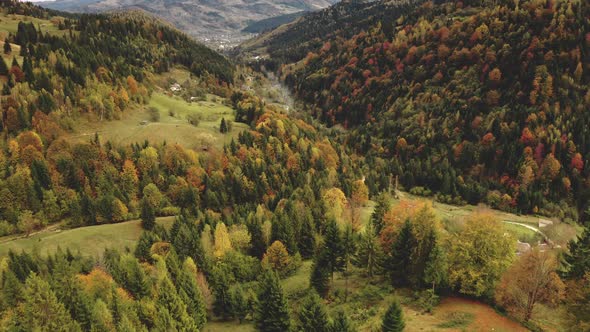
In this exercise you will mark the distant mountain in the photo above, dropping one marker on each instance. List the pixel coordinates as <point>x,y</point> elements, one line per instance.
<point>216,22</point>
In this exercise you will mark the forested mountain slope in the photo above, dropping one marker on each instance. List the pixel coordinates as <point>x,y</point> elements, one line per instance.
<point>483,100</point>
<point>216,22</point>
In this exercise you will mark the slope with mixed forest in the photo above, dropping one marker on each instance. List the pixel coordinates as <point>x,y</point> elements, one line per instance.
<point>480,101</point>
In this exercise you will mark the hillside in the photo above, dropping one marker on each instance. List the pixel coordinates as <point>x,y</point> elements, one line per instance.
<point>475,102</point>
<point>218,23</point>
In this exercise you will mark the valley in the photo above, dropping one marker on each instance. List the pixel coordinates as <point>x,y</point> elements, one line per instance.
<point>370,166</point>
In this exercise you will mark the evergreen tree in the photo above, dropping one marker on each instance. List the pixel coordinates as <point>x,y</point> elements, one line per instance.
<point>148,215</point>
<point>400,260</point>
<point>3,67</point>
<point>272,310</point>
<point>383,204</point>
<point>313,315</point>
<point>320,275</point>
<point>435,272</point>
<point>41,311</point>
<point>169,300</point>
<point>341,323</point>
<point>307,240</point>
<point>223,126</point>
<point>192,297</point>
<point>393,321</point>
<point>577,260</point>
<point>239,303</point>
<point>7,47</point>
<point>221,286</point>
<point>369,251</point>
<point>333,248</point>
<point>11,289</point>
<point>144,245</point>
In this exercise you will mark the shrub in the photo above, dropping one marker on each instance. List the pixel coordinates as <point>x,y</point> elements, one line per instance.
<point>154,114</point>
<point>194,119</point>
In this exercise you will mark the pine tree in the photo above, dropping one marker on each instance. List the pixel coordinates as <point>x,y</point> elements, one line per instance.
<point>7,47</point>
<point>320,276</point>
<point>313,315</point>
<point>41,309</point>
<point>223,126</point>
<point>239,303</point>
<point>341,323</point>
<point>272,310</point>
<point>221,285</point>
<point>369,251</point>
<point>148,215</point>
<point>333,248</point>
<point>169,300</point>
<point>435,272</point>
<point>192,297</point>
<point>577,261</point>
<point>3,67</point>
<point>393,321</point>
<point>400,261</point>
<point>144,245</point>
<point>383,205</point>
<point>11,289</point>
<point>307,240</point>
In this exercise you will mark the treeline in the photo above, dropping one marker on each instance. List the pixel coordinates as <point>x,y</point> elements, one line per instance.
<point>476,104</point>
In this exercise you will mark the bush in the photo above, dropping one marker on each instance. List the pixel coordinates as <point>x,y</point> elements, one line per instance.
<point>171,113</point>
<point>427,300</point>
<point>6,228</point>
<point>154,114</point>
<point>421,191</point>
<point>194,119</point>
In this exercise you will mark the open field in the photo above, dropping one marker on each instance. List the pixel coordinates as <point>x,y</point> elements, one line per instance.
<point>90,241</point>
<point>172,129</point>
<point>9,24</point>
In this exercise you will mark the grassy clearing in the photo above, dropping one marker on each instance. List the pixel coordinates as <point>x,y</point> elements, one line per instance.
<point>9,24</point>
<point>173,126</point>
<point>90,241</point>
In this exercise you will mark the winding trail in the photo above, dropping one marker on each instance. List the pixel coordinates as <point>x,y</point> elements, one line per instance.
<point>534,229</point>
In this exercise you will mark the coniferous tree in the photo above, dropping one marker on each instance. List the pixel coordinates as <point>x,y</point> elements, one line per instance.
<point>239,303</point>
<point>383,205</point>
<point>272,311</point>
<point>577,260</point>
<point>400,260</point>
<point>307,239</point>
<point>192,297</point>
<point>333,248</point>
<point>313,315</point>
<point>41,311</point>
<point>148,215</point>
<point>7,47</point>
<point>11,289</point>
<point>393,320</point>
<point>435,273</point>
<point>221,287</point>
<point>369,251</point>
<point>341,323</point>
<point>223,126</point>
<point>169,301</point>
<point>320,275</point>
<point>3,67</point>
<point>144,245</point>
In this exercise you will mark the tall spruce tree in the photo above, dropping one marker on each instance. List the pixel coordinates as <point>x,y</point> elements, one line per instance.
<point>272,310</point>
<point>400,260</point>
<point>341,323</point>
<point>577,260</point>
<point>148,215</point>
<point>383,205</point>
<point>320,275</point>
<point>333,248</point>
<point>393,321</point>
<point>3,67</point>
<point>313,315</point>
